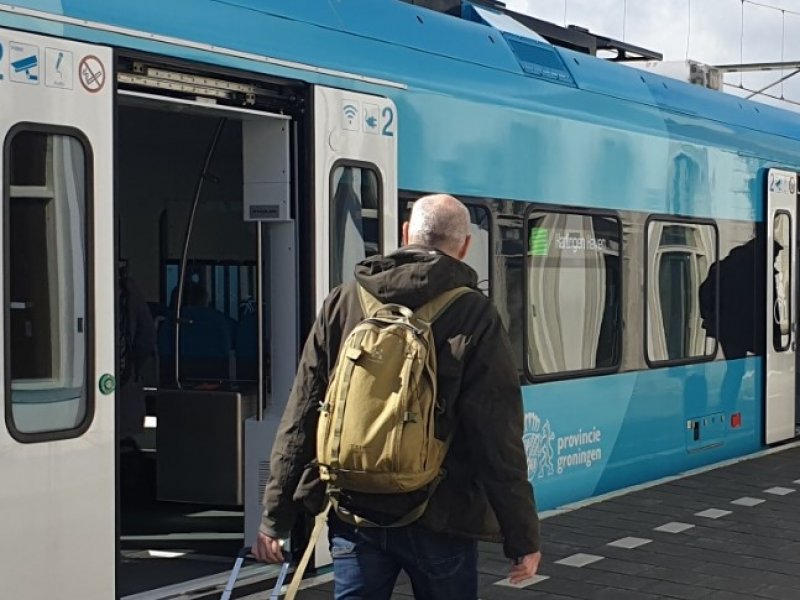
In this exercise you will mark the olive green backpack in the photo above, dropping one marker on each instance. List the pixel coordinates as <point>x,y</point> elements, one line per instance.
<point>376,425</point>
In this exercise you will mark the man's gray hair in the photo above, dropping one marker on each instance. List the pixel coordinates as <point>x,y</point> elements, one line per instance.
<point>439,221</point>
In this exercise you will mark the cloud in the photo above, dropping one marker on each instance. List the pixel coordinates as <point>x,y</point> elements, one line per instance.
<point>710,31</point>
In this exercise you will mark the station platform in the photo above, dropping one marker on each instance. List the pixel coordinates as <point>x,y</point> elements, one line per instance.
<point>728,532</point>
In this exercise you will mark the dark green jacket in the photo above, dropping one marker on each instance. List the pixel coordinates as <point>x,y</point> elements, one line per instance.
<point>485,493</point>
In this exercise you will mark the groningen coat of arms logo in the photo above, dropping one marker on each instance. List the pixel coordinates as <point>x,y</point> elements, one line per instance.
<point>538,439</point>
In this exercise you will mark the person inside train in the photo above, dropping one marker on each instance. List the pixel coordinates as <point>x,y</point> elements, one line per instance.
<point>136,340</point>
<point>207,337</point>
<point>137,348</point>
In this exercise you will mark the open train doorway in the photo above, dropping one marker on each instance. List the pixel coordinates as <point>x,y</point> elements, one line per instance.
<point>207,259</point>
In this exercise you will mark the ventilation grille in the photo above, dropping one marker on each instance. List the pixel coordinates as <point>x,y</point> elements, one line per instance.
<point>263,476</point>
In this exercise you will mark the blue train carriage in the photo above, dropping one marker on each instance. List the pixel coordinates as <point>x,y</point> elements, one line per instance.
<point>236,159</point>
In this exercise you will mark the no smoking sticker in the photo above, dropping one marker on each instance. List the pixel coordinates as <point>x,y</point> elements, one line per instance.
<point>92,74</point>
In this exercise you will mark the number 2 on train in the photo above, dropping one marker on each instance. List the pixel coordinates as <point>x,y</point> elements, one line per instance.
<point>388,121</point>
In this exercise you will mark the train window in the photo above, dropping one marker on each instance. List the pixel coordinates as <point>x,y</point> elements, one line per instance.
<point>782,274</point>
<point>480,249</point>
<point>355,218</point>
<point>508,295</point>
<point>229,286</point>
<point>679,257</point>
<point>46,273</point>
<point>479,255</point>
<point>574,293</point>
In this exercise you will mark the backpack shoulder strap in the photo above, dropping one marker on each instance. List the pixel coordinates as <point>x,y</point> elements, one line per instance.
<point>319,522</point>
<point>370,305</point>
<point>433,309</point>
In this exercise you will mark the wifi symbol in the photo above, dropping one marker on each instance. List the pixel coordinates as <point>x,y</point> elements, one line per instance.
<point>350,112</point>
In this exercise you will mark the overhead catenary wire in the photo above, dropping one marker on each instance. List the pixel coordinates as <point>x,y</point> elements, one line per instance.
<point>773,84</point>
<point>783,46</point>
<point>766,95</point>
<point>624,17</point>
<point>688,27</point>
<point>741,47</point>
<point>756,92</point>
<point>771,6</point>
<point>787,69</point>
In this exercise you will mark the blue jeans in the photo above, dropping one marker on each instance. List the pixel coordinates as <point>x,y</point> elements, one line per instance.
<point>367,561</point>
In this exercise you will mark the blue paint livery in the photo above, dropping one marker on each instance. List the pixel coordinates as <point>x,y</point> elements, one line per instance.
<point>631,429</point>
<point>519,130</point>
<point>473,123</point>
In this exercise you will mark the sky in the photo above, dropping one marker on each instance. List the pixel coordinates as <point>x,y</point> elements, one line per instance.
<point>709,31</point>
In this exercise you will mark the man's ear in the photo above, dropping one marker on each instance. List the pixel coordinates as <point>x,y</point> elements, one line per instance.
<point>465,248</point>
<point>405,234</point>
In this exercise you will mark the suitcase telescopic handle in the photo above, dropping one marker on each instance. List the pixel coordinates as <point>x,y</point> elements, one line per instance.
<point>243,553</point>
<point>240,558</point>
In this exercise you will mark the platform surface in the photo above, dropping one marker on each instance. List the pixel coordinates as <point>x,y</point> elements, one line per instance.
<point>728,533</point>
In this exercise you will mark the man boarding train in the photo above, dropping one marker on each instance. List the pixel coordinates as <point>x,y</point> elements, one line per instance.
<point>481,491</point>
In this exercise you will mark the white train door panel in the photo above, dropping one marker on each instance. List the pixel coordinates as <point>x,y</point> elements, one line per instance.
<point>57,503</point>
<point>355,141</point>
<point>356,182</point>
<point>781,317</point>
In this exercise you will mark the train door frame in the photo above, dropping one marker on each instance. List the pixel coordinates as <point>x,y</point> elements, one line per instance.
<point>352,129</point>
<point>780,350</point>
<point>62,89</point>
<point>356,131</point>
<point>272,187</point>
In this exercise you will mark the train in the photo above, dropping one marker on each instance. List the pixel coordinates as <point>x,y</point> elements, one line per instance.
<point>225,163</point>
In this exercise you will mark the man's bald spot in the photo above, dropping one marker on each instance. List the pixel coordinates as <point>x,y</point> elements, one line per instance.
<point>439,221</point>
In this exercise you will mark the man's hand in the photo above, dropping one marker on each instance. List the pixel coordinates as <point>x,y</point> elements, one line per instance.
<point>267,549</point>
<point>525,568</point>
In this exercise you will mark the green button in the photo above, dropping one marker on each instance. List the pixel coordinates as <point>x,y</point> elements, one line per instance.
<point>107,384</point>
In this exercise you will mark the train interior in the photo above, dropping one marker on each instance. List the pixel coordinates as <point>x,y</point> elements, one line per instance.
<point>181,476</point>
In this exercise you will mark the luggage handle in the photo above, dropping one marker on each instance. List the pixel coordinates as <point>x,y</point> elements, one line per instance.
<point>226,593</point>
<point>247,552</point>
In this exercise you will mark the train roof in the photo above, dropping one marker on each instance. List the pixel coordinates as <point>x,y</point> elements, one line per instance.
<point>396,41</point>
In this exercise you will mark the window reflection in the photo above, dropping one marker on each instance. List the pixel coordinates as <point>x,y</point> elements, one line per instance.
<point>480,251</point>
<point>510,274</point>
<point>355,220</point>
<point>679,258</point>
<point>46,271</point>
<point>480,248</point>
<point>574,292</point>
<point>782,280</point>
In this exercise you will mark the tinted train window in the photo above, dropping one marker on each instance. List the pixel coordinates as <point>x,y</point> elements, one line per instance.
<point>45,224</point>
<point>355,219</point>
<point>510,274</point>
<point>480,251</point>
<point>479,256</point>
<point>782,280</point>
<point>230,286</point>
<point>679,257</point>
<point>573,310</point>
